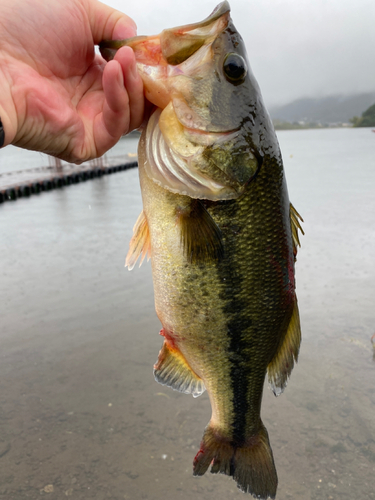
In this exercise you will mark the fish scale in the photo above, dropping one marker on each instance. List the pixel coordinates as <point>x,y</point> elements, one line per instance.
<point>222,236</point>
<point>221,306</point>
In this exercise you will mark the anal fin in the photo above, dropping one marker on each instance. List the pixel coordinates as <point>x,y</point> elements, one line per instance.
<point>173,370</point>
<point>140,244</point>
<point>282,363</point>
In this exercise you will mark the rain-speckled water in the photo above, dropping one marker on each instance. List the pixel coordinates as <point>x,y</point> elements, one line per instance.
<point>80,414</point>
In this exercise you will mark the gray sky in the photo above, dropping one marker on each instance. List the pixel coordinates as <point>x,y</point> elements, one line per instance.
<point>296,48</point>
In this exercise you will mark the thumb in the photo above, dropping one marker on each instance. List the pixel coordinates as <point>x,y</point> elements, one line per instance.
<point>108,24</point>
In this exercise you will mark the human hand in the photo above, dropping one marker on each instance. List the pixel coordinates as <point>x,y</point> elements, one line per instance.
<point>56,95</point>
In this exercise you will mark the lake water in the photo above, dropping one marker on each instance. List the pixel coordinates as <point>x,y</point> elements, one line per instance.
<point>80,414</point>
<point>13,159</point>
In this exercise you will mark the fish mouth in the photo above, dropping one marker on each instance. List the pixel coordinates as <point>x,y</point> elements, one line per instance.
<point>188,140</point>
<point>195,123</point>
<point>166,63</point>
<point>204,138</point>
<point>178,44</point>
<point>173,45</point>
<point>187,152</point>
<point>161,57</point>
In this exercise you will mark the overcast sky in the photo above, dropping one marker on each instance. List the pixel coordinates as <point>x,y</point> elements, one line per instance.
<point>296,48</point>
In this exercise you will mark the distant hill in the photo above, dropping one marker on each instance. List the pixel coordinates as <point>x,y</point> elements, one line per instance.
<point>325,110</point>
<point>367,119</point>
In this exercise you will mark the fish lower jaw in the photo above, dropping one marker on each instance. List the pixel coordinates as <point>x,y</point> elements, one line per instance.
<point>222,193</point>
<point>202,137</point>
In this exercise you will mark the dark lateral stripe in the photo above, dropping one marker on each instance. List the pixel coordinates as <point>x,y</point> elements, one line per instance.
<point>239,375</point>
<point>240,369</point>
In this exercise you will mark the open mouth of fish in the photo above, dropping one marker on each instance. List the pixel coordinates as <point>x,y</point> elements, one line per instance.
<point>182,138</point>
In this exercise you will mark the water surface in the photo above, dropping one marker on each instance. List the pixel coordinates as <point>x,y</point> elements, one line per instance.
<point>14,159</point>
<point>80,413</point>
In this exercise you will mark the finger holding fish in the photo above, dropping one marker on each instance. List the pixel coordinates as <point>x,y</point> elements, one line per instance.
<point>123,107</point>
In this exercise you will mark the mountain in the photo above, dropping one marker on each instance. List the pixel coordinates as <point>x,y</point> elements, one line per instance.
<point>325,110</point>
<point>367,119</point>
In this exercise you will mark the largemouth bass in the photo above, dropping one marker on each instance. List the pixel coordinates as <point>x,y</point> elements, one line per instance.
<point>222,237</point>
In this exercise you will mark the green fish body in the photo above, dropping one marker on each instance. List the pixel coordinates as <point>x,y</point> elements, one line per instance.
<point>222,236</point>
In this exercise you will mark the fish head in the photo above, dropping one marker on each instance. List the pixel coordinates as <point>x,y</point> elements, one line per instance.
<point>205,137</point>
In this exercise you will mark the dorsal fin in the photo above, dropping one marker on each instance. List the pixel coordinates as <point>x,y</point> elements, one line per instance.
<point>140,244</point>
<point>295,225</point>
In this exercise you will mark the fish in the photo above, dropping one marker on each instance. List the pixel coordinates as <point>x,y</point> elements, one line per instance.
<point>222,236</point>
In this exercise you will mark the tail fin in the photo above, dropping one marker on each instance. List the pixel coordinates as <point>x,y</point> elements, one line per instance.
<point>250,464</point>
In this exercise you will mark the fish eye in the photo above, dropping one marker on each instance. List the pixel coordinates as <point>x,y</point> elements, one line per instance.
<point>234,68</point>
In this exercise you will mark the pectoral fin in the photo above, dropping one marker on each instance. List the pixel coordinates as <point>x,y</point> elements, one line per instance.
<point>200,236</point>
<point>282,364</point>
<point>140,244</point>
<point>173,370</point>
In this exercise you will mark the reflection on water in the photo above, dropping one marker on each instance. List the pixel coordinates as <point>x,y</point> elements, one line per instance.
<point>80,413</point>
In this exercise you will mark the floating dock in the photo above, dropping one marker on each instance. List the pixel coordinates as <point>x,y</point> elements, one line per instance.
<point>24,183</point>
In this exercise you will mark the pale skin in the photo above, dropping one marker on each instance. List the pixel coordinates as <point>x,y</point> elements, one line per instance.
<point>56,94</point>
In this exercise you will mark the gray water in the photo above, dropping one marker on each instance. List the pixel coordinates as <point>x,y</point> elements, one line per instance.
<point>14,159</point>
<point>80,414</point>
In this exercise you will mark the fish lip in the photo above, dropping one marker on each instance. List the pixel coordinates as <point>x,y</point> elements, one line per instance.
<point>197,128</point>
<point>203,131</point>
<point>196,121</point>
<point>206,137</point>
